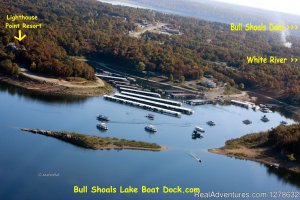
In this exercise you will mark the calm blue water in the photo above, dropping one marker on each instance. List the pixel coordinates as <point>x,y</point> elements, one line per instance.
<point>23,155</point>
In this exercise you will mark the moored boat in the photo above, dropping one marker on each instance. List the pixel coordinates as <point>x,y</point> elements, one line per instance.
<point>150,116</point>
<point>211,123</point>
<point>102,126</point>
<point>283,123</point>
<point>151,128</point>
<point>199,129</point>
<point>247,122</point>
<point>103,118</point>
<point>265,119</point>
<point>196,135</point>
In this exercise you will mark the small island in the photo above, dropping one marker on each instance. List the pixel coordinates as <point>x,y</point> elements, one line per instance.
<point>278,147</point>
<point>97,143</point>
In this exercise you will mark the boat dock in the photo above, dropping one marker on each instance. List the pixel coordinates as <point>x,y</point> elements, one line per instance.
<point>157,104</point>
<point>199,102</point>
<point>119,82</point>
<point>166,101</point>
<point>141,92</point>
<point>127,87</point>
<point>112,77</point>
<point>141,105</point>
<point>244,104</point>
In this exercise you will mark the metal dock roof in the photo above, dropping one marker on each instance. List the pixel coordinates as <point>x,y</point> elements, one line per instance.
<point>174,103</point>
<point>141,92</point>
<point>154,103</point>
<point>144,106</point>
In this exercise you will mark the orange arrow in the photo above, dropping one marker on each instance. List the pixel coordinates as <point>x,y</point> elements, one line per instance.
<point>20,37</point>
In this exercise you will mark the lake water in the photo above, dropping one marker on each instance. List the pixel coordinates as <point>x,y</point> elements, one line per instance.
<point>24,155</point>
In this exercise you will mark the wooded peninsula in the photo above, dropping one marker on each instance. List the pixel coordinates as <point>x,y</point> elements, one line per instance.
<point>279,146</point>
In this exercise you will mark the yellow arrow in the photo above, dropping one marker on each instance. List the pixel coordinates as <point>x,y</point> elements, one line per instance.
<point>20,37</point>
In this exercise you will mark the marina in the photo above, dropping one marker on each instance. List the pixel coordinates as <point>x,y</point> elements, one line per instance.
<point>156,104</point>
<point>160,100</point>
<point>129,123</point>
<point>143,106</point>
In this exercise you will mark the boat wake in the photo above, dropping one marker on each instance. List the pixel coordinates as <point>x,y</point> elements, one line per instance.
<point>194,157</point>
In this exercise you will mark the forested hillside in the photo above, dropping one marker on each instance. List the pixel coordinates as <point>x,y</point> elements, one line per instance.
<point>283,139</point>
<point>96,30</point>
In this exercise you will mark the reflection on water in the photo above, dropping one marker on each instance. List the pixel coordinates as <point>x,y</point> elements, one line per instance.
<point>286,110</point>
<point>39,96</point>
<point>285,175</point>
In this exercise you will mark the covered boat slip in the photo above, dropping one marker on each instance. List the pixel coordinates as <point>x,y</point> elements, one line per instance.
<point>157,104</point>
<point>142,92</point>
<point>141,105</point>
<point>166,101</point>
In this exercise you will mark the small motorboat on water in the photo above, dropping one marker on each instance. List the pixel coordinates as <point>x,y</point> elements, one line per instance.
<point>103,118</point>
<point>283,123</point>
<point>275,165</point>
<point>264,119</point>
<point>265,110</point>
<point>150,116</point>
<point>195,157</point>
<point>255,108</point>
<point>199,129</point>
<point>196,135</point>
<point>247,122</point>
<point>151,128</point>
<point>211,123</point>
<point>102,126</point>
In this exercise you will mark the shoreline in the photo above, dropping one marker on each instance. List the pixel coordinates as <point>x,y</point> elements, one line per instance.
<point>30,84</point>
<point>95,142</point>
<point>256,155</point>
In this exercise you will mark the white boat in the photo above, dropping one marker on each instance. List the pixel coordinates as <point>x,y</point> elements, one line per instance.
<point>265,119</point>
<point>199,129</point>
<point>151,128</point>
<point>102,126</point>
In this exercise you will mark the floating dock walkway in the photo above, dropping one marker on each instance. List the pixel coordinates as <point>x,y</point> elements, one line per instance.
<point>140,92</point>
<point>244,104</point>
<point>160,100</point>
<point>156,104</point>
<point>116,78</point>
<point>144,106</point>
<point>199,102</point>
<point>127,87</point>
